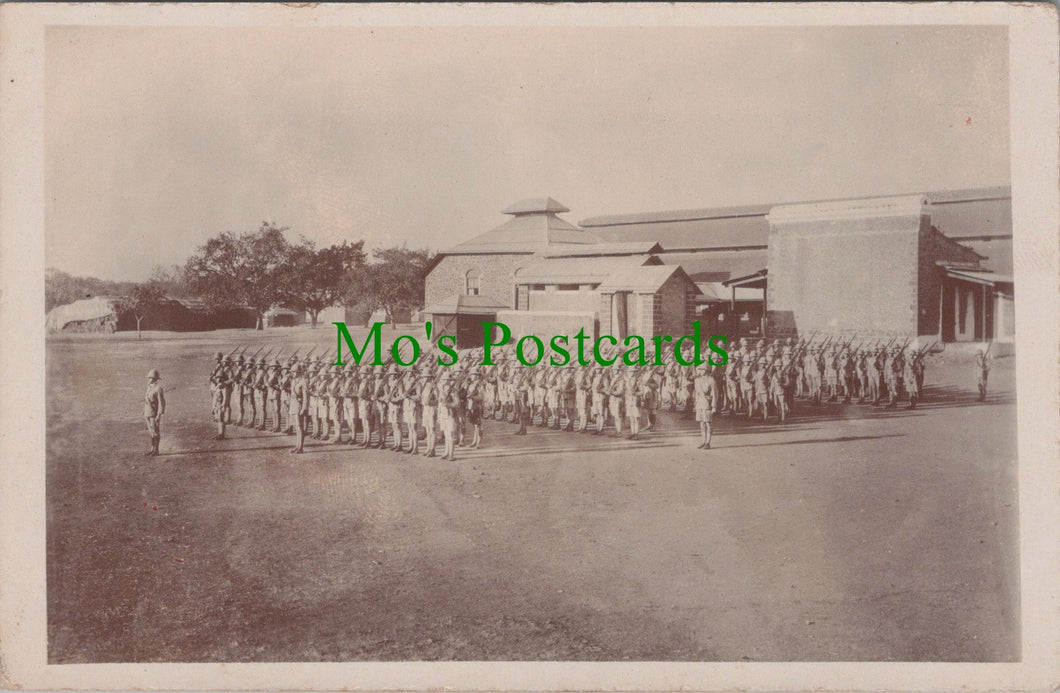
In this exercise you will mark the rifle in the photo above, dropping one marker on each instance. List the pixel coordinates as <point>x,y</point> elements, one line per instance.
<point>258,351</point>
<point>294,356</point>
<point>266,354</point>
<point>309,354</point>
<point>244,350</point>
<point>232,352</point>
<point>988,347</point>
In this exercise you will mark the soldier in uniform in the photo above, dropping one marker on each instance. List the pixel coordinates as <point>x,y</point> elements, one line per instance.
<point>616,394</point>
<point>633,401</point>
<point>476,395</point>
<point>429,410</point>
<point>522,390</point>
<point>300,400</point>
<point>154,408</point>
<point>705,403</point>
<point>982,372</point>
<point>448,402</point>
<point>599,392</point>
<point>221,384</point>
<point>582,396</point>
<point>287,386</point>
<point>410,408</point>
<point>275,379</point>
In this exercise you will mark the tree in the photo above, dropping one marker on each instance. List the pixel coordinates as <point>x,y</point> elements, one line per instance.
<point>170,280</point>
<point>61,288</point>
<point>230,271</point>
<point>140,301</point>
<point>317,279</point>
<point>395,281</point>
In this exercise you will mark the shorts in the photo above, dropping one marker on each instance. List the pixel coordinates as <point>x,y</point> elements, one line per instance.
<point>154,426</point>
<point>704,415</point>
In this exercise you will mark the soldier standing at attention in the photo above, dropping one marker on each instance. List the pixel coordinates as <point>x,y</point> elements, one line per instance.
<point>154,408</point>
<point>705,402</point>
<point>476,391</point>
<point>300,400</point>
<point>221,383</point>
<point>982,370</point>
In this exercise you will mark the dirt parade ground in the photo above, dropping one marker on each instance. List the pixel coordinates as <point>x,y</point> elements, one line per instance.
<point>849,533</point>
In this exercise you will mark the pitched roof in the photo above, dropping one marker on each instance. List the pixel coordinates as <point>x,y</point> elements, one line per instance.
<point>646,279</point>
<point>718,266</point>
<point>602,249</point>
<point>465,304</point>
<point>578,270</point>
<point>526,233</point>
<point>535,205</point>
<point>980,213</point>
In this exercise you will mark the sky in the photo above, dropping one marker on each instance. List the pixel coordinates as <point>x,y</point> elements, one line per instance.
<point>157,138</point>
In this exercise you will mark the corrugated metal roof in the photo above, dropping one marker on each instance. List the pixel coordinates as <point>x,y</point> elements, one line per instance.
<point>647,279</point>
<point>525,234</point>
<point>957,213</point>
<point>717,266</point>
<point>997,253</point>
<point>979,277</point>
<point>578,270</point>
<point>533,205</point>
<point>631,248</point>
<point>717,292</point>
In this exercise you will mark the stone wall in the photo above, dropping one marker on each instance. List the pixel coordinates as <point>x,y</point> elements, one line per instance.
<point>496,276</point>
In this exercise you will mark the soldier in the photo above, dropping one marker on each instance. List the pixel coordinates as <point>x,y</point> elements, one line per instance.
<point>429,410</point>
<point>246,394</point>
<point>410,409</point>
<point>982,371</point>
<point>335,402</point>
<point>394,398</point>
<point>650,395</point>
<point>154,408</point>
<point>582,395</point>
<point>261,389</point>
<point>761,387</point>
<point>300,402</point>
<point>616,394</point>
<point>275,380</point>
<point>240,379</point>
<point>350,404</point>
<point>779,381</point>
<point>522,390</point>
<point>599,392</point>
<point>292,402</point>
<point>705,403</point>
<point>476,392</point>
<point>893,374</point>
<point>221,383</point>
<point>448,402</point>
<point>633,401</point>
<point>910,382</point>
<point>866,379</point>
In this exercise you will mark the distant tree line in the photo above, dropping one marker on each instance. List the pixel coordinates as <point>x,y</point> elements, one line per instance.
<point>262,269</point>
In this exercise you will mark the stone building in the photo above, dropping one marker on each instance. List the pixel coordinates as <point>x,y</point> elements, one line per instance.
<point>935,265</point>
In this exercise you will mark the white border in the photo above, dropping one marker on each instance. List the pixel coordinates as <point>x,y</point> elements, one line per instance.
<point>1036,220</point>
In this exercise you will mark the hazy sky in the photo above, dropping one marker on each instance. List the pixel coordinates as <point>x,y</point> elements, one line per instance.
<point>158,138</point>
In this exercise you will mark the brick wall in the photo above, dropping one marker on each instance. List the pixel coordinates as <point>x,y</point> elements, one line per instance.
<point>674,307</point>
<point>934,247</point>
<point>845,274</point>
<point>496,276</point>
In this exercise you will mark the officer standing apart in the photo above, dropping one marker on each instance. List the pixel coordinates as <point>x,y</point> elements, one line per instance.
<point>706,403</point>
<point>982,370</point>
<point>154,408</point>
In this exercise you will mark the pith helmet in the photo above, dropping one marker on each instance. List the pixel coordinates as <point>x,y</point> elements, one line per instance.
<point>219,356</point>
<point>153,374</point>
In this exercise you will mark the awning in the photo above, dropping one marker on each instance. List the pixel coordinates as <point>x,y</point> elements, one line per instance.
<point>983,277</point>
<point>717,292</point>
<point>749,281</point>
<point>465,304</point>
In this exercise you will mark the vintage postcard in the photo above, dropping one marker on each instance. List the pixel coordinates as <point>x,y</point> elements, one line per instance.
<point>529,347</point>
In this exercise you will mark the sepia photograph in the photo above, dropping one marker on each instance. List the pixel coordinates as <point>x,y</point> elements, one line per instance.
<point>463,339</point>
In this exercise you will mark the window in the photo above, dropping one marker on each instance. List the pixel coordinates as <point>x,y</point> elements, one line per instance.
<point>471,283</point>
<point>567,287</point>
<point>537,287</point>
